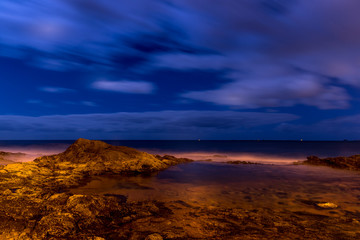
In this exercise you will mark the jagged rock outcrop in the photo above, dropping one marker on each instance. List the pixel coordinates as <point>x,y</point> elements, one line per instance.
<point>35,202</point>
<point>78,163</point>
<point>350,163</point>
<point>97,157</point>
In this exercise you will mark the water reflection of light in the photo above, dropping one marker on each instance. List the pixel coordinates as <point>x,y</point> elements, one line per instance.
<point>247,186</point>
<point>224,157</point>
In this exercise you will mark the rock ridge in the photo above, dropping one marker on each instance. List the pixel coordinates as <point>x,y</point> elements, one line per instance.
<point>349,163</point>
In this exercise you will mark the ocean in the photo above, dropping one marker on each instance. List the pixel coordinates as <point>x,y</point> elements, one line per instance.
<point>274,152</point>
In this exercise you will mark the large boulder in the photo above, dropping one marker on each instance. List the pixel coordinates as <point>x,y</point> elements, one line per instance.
<point>97,157</point>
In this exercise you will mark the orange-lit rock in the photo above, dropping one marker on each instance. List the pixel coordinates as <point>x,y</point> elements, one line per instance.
<point>97,157</point>
<point>34,203</point>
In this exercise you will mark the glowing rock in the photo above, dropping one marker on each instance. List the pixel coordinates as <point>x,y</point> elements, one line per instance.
<point>327,205</point>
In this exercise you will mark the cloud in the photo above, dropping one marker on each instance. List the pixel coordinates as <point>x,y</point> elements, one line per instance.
<point>344,127</point>
<point>78,33</point>
<point>181,61</point>
<point>83,103</point>
<point>75,34</point>
<point>56,89</point>
<point>89,103</point>
<point>141,125</point>
<point>276,91</point>
<point>125,86</point>
<point>251,37</point>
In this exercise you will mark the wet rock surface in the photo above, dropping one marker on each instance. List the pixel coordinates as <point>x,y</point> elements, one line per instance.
<point>35,203</point>
<point>349,163</point>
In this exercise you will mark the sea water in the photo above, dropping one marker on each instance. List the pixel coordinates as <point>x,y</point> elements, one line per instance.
<point>248,186</point>
<point>274,152</point>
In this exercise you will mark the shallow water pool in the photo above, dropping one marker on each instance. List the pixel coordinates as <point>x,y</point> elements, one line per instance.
<point>205,184</point>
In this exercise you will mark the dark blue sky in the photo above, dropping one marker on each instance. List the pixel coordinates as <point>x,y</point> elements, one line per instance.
<point>180,69</point>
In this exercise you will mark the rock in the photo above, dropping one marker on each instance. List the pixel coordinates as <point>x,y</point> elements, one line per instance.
<point>97,157</point>
<point>35,202</point>
<point>327,205</point>
<point>58,225</point>
<point>59,198</point>
<point>7,192</point>
<point>154,236</point>
<point>350,163</point>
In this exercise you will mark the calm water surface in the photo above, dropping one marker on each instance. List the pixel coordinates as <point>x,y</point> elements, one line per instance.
<point>289,187</point>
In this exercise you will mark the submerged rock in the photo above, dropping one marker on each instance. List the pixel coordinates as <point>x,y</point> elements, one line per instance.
<point>350,163</point>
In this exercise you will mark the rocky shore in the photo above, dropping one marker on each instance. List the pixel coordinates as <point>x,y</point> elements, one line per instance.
<point>34,198</point>
<point>35,203</point>
<point>8,157</point>
<point>349,163</point>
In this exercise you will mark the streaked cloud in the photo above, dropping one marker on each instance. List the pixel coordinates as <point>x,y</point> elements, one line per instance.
<point>268,55</point>
<point>83,103</point>
<point>89,103</point>
<point>125,86</point>
<point>142,125</point>
<point>276,91</point>
<point>56,89</point>
<point>339,128</point>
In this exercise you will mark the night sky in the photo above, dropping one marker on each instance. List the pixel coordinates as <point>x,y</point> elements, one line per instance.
<point>180,69</point>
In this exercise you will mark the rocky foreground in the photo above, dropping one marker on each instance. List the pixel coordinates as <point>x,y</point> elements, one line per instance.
<point>35,203</point>
<point>349,163</point>
<point>34,198</point>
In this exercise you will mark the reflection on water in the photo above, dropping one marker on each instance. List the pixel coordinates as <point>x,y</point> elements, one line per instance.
<point>289,187</point>
<point>231,156</point>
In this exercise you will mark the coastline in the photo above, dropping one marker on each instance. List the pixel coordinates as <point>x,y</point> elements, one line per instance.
<point>171,198</point>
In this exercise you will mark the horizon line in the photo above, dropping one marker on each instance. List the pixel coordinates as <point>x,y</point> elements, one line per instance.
<point>197,140</point>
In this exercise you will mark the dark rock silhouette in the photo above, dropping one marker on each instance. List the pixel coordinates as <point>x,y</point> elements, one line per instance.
<point>350,163</point>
